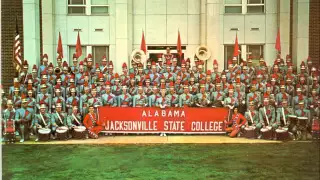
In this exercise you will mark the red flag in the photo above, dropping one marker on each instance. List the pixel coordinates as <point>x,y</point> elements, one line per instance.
<point>236,47</point>
<point>59,48</point>
<point>278,45</point>
<point>179,49</point>
<point>143,46</point>
<point>78,47</point>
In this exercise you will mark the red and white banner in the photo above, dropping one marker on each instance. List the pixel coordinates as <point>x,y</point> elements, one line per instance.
<point>169,120</point>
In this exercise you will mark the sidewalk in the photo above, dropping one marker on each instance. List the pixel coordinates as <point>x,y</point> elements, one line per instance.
<point>154,139</point>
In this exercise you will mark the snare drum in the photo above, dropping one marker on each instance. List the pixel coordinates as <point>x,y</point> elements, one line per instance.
<point>302,121</point>
<point>266,132</point>
<point>250,132</point>
<point>62,133</point>
<point>282,134</point>
<point>79,132</point>
<point>44,134</point>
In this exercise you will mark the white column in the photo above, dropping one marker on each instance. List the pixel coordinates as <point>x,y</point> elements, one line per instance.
<point>284,24</point>
<point>31,31</point>
<point>123,20</point>
<point>203,22</point>
<point>48,29</point>
<point>300,49</point>
<point>271,31</point>
<point>213,33</point>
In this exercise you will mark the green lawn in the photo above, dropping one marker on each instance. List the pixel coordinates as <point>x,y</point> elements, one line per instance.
<point>166,161</point>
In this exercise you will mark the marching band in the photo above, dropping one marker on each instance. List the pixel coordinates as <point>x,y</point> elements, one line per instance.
<point>268,102</point>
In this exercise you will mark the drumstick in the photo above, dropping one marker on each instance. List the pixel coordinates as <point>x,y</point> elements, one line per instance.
<point>59,118</point>
<point>265,113</point>
<point>250,116</point>
<point>74,117</point>
<point>43,120</point>
<point>284,117</point>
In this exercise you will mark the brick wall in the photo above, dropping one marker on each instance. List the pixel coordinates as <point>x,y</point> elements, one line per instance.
<point>314,31</point>
<point>10,9</point>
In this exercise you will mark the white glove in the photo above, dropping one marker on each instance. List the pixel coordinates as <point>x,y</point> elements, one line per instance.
<point>243,102</point>
<point>222,102</point>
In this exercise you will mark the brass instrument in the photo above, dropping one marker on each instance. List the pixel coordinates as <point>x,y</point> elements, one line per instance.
<point>57,70</point>
<point>203,53</point>
<point>138,56</point>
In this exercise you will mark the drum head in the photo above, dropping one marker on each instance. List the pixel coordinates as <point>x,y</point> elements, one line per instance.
<point>62,129</point>
<point>44,131</point>
<point>250,128</point>
<point>79,128</point>
<point>264,129</point>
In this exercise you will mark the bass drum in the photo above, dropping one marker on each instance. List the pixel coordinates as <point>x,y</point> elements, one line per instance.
<point>315,129</point>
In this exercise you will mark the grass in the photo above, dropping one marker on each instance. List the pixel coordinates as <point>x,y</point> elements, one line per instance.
<point>163,161</point>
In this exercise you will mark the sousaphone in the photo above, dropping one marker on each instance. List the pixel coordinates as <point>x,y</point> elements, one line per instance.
<point>138,56</point>
<point>203,53</point>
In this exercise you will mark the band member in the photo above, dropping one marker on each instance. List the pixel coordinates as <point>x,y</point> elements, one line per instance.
<point>124,77</point>
<point>304,124</point>
<point>125,99</point>
<point>94,101</point>
<point>283,114</point>
<point>93,124</point>
<point>299,95</point>
<point>202,98</point>
<point>172,96</point>
<point>44,97</point>
<point>163,101</point>
<point>59,118</point>
<point>8,115</point>
<point>167,55</point>
<point>140,100</point>
<point>132,86</point>
<point>235,124</point>
<point>134,68</point>
<point>71,99</point>
<point>23,118</point>
<point>16,98</point>
<point>58,97</point>
<point>208,83</point>
<point>185,99</point>
<point>152,99</point>
<point>116,88</point>
<point>217,97</point>
<point>41,120</point>
<point>74,119</point>
<point>74,67</point>
<point>254,94</point>
<point>231,101</point>
<point>148,88</point>
<point>215,72</point>
<point>267,113</point>
<point>169,76</point>
<point>51,76</point>
<point>281,94</point>
<point>109,99</point>
<point>84,106</point>
<point>43,65</point>
<point>104,65</point>
<point>252,115</point>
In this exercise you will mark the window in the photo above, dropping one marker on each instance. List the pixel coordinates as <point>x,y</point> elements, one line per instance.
<point>88,7</point>
<point>72,49</point>
<point>255,51</point>
<point>76,6</point>
<point>99,7</point>
<point>228,53</point>
<point>233,6</point>
<point>243,6</point>
<point>98,52</point>
<point>255,6</point>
